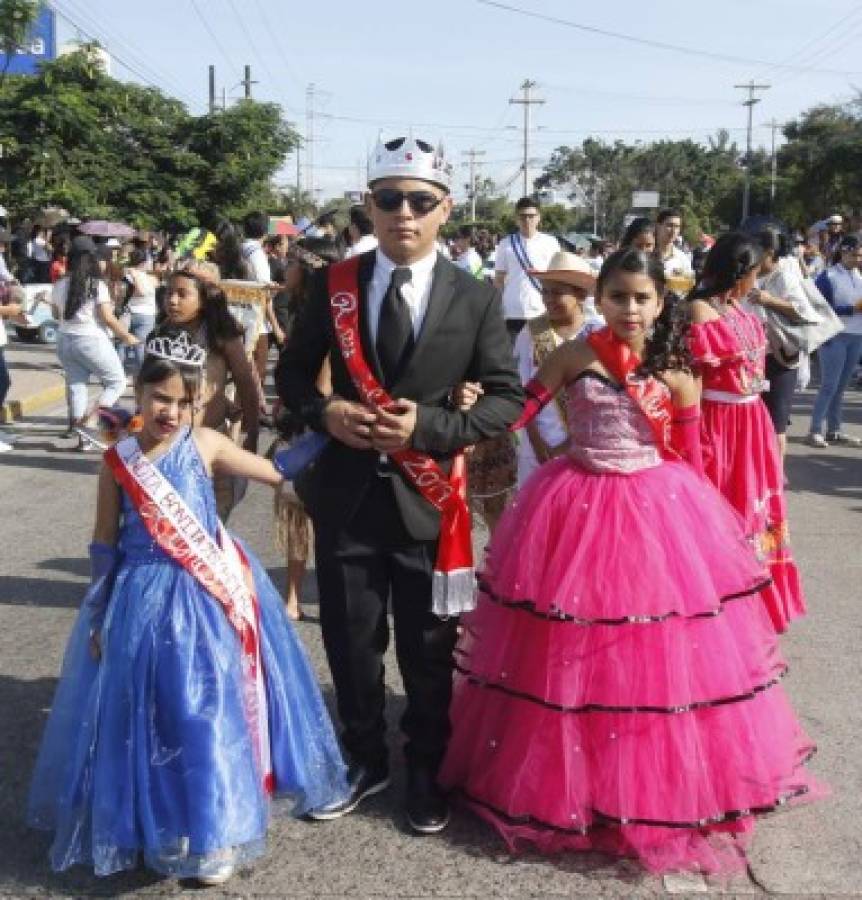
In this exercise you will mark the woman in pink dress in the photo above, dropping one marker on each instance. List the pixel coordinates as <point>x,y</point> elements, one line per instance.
<point>617,687</point>
<point>740,449</point>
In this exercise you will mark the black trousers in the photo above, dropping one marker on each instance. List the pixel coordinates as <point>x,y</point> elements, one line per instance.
<point>360,568</point>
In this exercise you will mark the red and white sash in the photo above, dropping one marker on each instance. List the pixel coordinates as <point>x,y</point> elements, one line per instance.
<point>220,567</point>
<point>650,396</point>
<point>452,586</point>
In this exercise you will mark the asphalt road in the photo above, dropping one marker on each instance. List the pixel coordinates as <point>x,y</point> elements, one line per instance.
<point>46,507</point>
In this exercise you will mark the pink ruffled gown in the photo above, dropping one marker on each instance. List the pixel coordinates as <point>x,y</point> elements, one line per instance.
<point>740,450</point>
<point>617,687</point>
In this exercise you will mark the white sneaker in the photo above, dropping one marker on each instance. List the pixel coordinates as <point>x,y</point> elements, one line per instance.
<point>816,440</point>
<point>838,437</point>
<point>218,869</point>
<point>5,446</point>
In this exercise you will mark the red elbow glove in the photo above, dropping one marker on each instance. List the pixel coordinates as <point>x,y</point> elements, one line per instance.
<point>538,397</point>
<point>685,436</point>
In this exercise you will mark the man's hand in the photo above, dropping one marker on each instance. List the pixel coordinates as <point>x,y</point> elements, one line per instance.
<point>394,427</point>
<point>466,394</point>
<point>349,422</point>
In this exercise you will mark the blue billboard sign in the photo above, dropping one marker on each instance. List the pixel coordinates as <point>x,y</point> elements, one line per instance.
<point>40,46</point>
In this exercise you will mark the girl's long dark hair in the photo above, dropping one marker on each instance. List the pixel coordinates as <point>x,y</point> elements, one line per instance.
<point>84,276</point>
<point>730,258</point>
<point>667,346</point>
<point>219,325</point>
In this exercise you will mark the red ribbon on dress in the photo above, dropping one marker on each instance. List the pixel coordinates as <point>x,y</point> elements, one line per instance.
<point>649,394</point>
<point>452,582</point>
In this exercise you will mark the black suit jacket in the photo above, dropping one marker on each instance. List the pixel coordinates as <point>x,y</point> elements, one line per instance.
<point>463,338</point>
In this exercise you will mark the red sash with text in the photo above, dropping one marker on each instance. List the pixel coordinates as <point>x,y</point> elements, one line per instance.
<point>453,589</point>
<point>650,396</point>
<point>220,567</point>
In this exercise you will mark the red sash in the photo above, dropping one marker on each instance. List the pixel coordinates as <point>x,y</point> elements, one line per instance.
<point>223,570</point>
<point>453,589</point>
<point>649,394</point>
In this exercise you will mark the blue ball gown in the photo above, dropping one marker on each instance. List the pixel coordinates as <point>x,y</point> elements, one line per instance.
<point>147,753</point>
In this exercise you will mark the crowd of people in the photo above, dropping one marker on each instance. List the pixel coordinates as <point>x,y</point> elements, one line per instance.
<point>611,680</point>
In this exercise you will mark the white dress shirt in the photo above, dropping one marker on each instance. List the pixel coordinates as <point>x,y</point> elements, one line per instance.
<point>363,245</point>
<point>416,292</point>
<point>521,299</point>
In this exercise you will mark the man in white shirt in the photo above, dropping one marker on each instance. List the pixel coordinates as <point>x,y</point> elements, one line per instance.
<point>255,226</point>
<point>361,230</point>
<point>668,228</point>
<point>525,249</point>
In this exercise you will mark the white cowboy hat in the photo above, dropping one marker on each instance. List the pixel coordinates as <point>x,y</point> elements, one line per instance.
<point>568,268</point>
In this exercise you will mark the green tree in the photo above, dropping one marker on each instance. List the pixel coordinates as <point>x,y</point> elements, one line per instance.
<point>76,138</point>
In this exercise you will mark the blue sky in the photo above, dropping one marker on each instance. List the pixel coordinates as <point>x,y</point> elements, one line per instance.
<point>449,68</point>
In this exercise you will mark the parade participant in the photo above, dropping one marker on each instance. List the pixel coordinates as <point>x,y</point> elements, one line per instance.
<point>186,702</point>
<point>196,302</point>
<point>640,234</point>
<point>11,300</point>
<point>83,305</point>
<point>293,531</point>
<point>668,227</point>
<point>525,249</point>
<point>741,453</point>
<point>841,285</point>
<point>141,303</point>
<point>467,258</point>
<point>566,284</point>
<point>617,688</point>
<point>361,231</point>
<point>402,327</point>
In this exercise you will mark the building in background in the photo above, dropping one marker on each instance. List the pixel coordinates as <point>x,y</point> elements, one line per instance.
<point>41,47</point>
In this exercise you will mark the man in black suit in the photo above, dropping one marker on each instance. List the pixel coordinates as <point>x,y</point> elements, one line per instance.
<point>424,327</point>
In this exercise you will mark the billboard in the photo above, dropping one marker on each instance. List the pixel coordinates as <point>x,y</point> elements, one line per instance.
<point>41,46</point>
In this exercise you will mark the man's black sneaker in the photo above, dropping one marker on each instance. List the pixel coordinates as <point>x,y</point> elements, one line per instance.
<point>427,806</point>
<point>363,783</point>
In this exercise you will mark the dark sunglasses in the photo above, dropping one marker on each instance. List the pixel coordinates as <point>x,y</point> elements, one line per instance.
<point>420,202</point>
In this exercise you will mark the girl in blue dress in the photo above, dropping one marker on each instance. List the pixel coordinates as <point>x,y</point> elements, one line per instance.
<point>186,702</point>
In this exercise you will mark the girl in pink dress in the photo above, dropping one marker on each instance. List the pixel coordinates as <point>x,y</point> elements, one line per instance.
<point>740,448</point>
<point>617,687</point>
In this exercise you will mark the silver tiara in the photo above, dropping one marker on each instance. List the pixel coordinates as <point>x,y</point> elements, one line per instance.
<point>179,350</point>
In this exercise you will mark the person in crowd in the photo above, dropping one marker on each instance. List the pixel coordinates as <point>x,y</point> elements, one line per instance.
<point>566,285</point>
<point>810,259</point>
<point>618,686</point>
<point>141,287</point>
<point>257,268</point>
<point>196,302</point>
<point>361,231</point>
<point>402,327</point>
<point>830,233</point>
<point>59,256</point>
<point>740,449</point>
<point>11,305</point>
<point>275,247</point>
<point>294,535</point>
<point>40,253</point>
<point>640,234</point>
<point>326,226</point>
<point>187,702</point>
<point>841,285</point>
<point>85,308</point>
<point>525,249</point>
<point>6,276</point>
<point>779,291</point>
<point>668,229</point>
<point>466,256</point>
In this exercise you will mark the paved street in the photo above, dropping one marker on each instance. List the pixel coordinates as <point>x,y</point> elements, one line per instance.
<point>46,506</point>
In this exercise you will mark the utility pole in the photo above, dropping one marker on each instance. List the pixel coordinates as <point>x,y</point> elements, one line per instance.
<point>527,101</point>
<point>472,155</point>
<point>751,87</point>
<point>773,179</point>
<point>212,93</point>
<point>247,82</point>
<point>309,140</point>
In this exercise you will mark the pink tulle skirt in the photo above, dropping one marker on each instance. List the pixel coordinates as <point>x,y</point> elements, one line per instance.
<point>617,687</point>
<point>742,459</point>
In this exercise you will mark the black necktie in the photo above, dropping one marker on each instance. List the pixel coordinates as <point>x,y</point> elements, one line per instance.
<point>395,327</point>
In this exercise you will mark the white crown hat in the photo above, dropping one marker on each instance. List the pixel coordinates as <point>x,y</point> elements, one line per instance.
<point>409,157</point>
<point>177,349</point>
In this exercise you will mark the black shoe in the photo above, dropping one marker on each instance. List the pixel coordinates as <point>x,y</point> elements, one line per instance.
<point>427,806</point>
<point>363,783</point>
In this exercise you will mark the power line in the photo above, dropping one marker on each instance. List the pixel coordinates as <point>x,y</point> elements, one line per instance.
<point>656,45</point>
<point>231,65</point>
